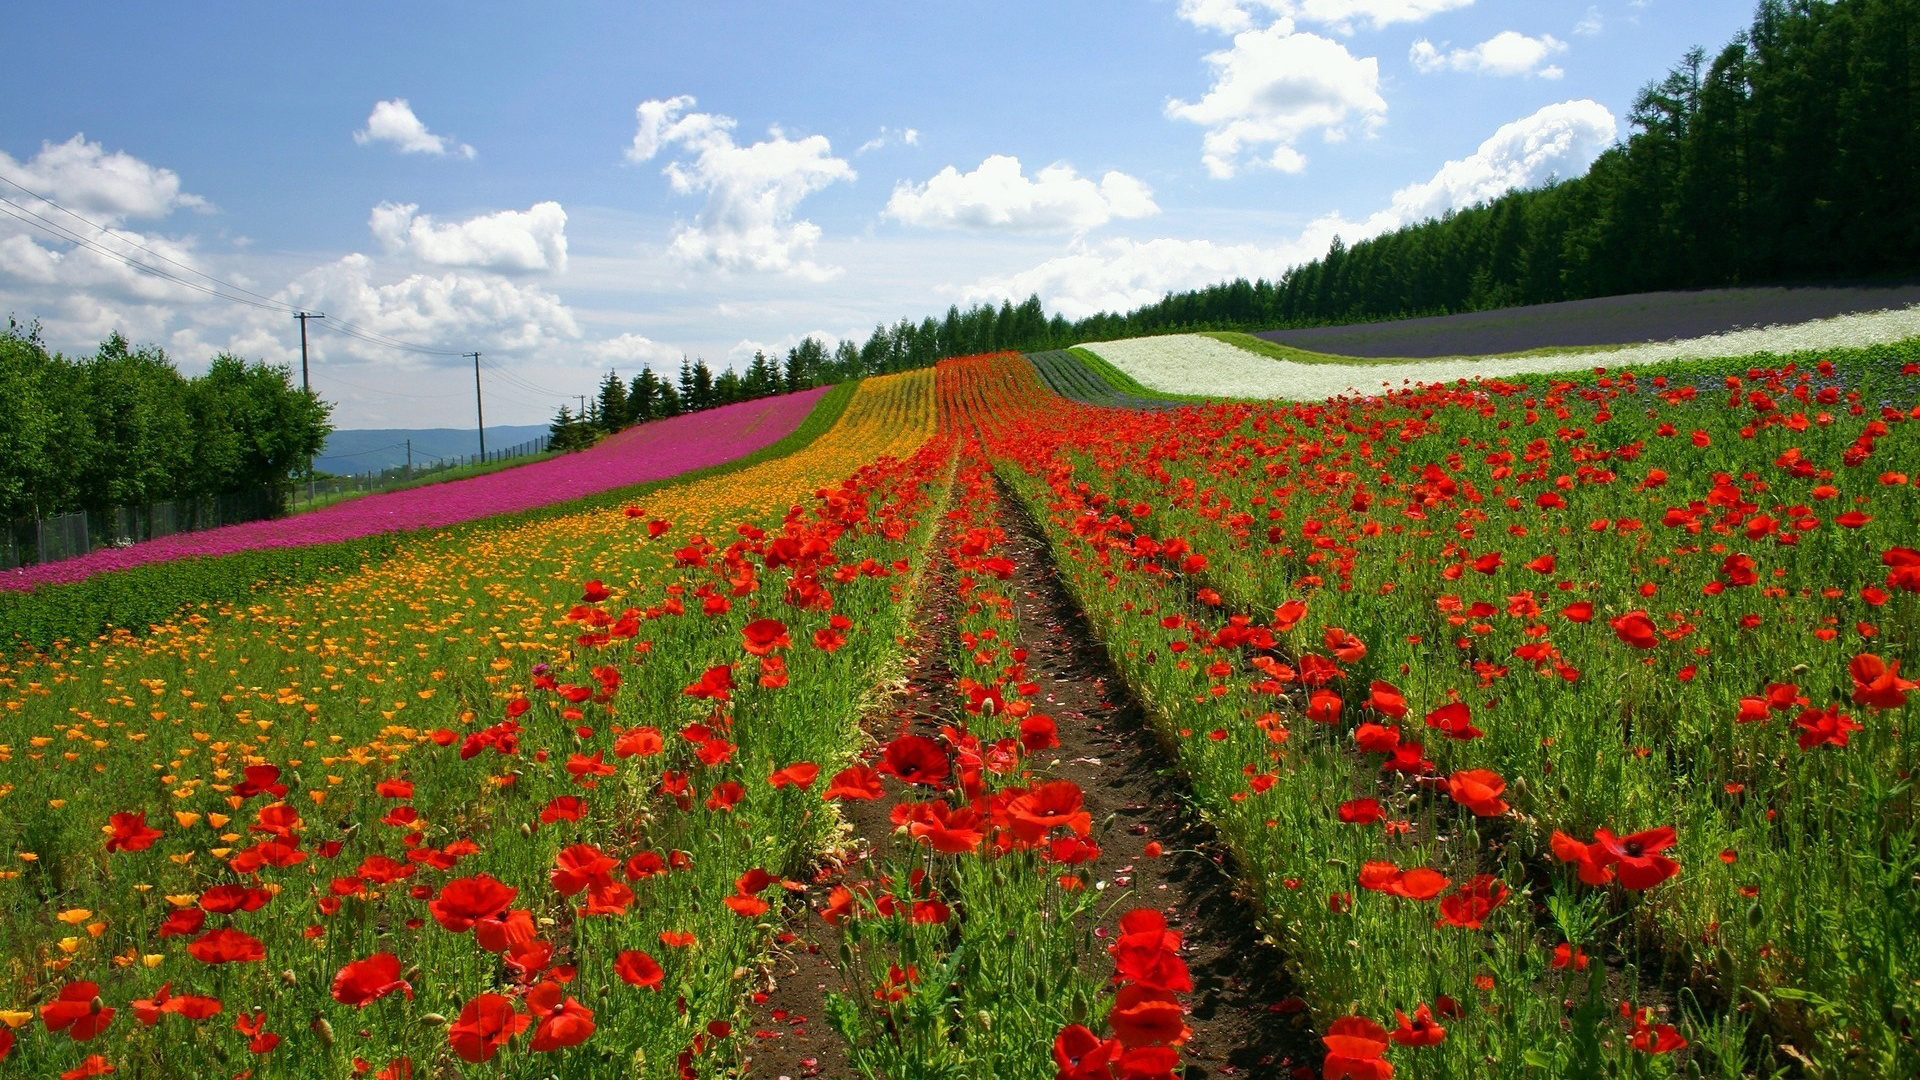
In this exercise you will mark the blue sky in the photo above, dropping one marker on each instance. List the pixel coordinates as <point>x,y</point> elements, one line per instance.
<point>594,186</point>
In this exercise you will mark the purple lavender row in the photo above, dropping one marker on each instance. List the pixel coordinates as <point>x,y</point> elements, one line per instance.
<point>639,455</point>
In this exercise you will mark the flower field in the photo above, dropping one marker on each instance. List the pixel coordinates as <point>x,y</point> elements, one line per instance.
<point>1553,725</point>
<point>640,454</point>
<point>478,803</point>
<point>1197,364</point>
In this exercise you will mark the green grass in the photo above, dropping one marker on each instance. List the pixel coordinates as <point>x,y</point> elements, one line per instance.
<point>137,598</point>
<point>1127,384</point>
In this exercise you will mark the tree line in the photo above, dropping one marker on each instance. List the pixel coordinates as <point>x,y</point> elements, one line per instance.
<point>123,428</point>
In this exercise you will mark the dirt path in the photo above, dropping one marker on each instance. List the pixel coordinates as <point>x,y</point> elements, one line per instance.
<point>1245,1020</point>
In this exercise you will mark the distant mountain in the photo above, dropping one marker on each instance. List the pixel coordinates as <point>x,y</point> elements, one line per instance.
<point>373,449</point>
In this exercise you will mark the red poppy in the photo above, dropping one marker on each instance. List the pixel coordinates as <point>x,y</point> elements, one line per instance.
<point>563,808</point>
<point>486,1024</point>
<point>1661,1039</point>
<point>1479,791</point>
<point>465,901</point>
<point>1578,612</point>
<point>1288,615</point>
<point>1903,568</point>
<point>1355,1050</point>
<point>507,930</point>
<point>636,968</point>
<point>260,780</point>
<point>1592,860</point>
<point>363,982</point>
<point>1637,857</point>
<point>1147,1063</point>
<point>1468,906</point>
<point>1387,700</point>
<point>1038,733</point>
<point>1045,807</point>
<point>1323,707</point>
<point>800,775</point>
<point>715,684</point>
<point>1825,727</point>
<point>1361,811</point>
<point>594,592</point>
<point>1878,683</point>
<point>1421,1030</point>
<point>855,782</point>
<point>1145,1016</point>
<point>130,832</point>
<point>94,1065</point>
<point>1636,629</point>
<point>183,922</point>
<point>947,830</point>
<point>915,759</point>
<point>1082,1055</point>
<point>78,1011</point>
<point>765,635</point>
<point>1454,720</point>
<point>579,866</point>
<point>227,946</point>
<point>562,1021</point>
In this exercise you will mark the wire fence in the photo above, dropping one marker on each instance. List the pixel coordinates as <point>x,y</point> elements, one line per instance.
<point>325,489</point>
<point>30,540</point>
<point>27,541</point>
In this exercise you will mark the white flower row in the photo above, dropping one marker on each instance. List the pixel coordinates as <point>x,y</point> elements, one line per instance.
<point>1192,364</point>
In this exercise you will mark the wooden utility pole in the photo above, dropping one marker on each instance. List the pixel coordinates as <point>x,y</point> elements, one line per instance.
<point>306,382</point>
<point>479,411</point>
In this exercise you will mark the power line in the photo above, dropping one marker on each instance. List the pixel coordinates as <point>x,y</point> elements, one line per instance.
<point>31,218</point>
<point>135,243</point>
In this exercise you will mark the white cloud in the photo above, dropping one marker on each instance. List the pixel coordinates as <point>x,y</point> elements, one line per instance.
<point>890,137</point>
<point>394,122</point>
<point>998,195</point>
<point>752,191</point>
<point>450,310</point>
<point>1558,140</point>
<point>1590,23</point>
<point>89,287</point>
<point>107,188</point>
<point>635,351</point>
<point>1275,86</point>
<point>509,242</point>
<point>1506,53</point>
<point>1233,16</point>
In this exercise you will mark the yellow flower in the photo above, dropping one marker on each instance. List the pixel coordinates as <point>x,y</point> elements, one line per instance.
<point>70,945</point>
<point>74,916</point>
<point>152,960</point>
<point>187,818</point>
<point>14,1018</point>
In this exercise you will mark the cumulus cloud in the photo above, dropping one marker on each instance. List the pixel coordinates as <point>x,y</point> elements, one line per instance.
<point>890,137</point>
<point>78,277</point>
<point>1506,53</point>
<point>999,195</point>
<point>1116,275</point>
<point>634,351</point>
<point>1557,140</point>
<point>1275,86</point>
<point>1343,16</point>
<point>752,191</point>
<point>394,122</point>
<point>509,242</point>
<point>449,309</point>
<point>107,188</point>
